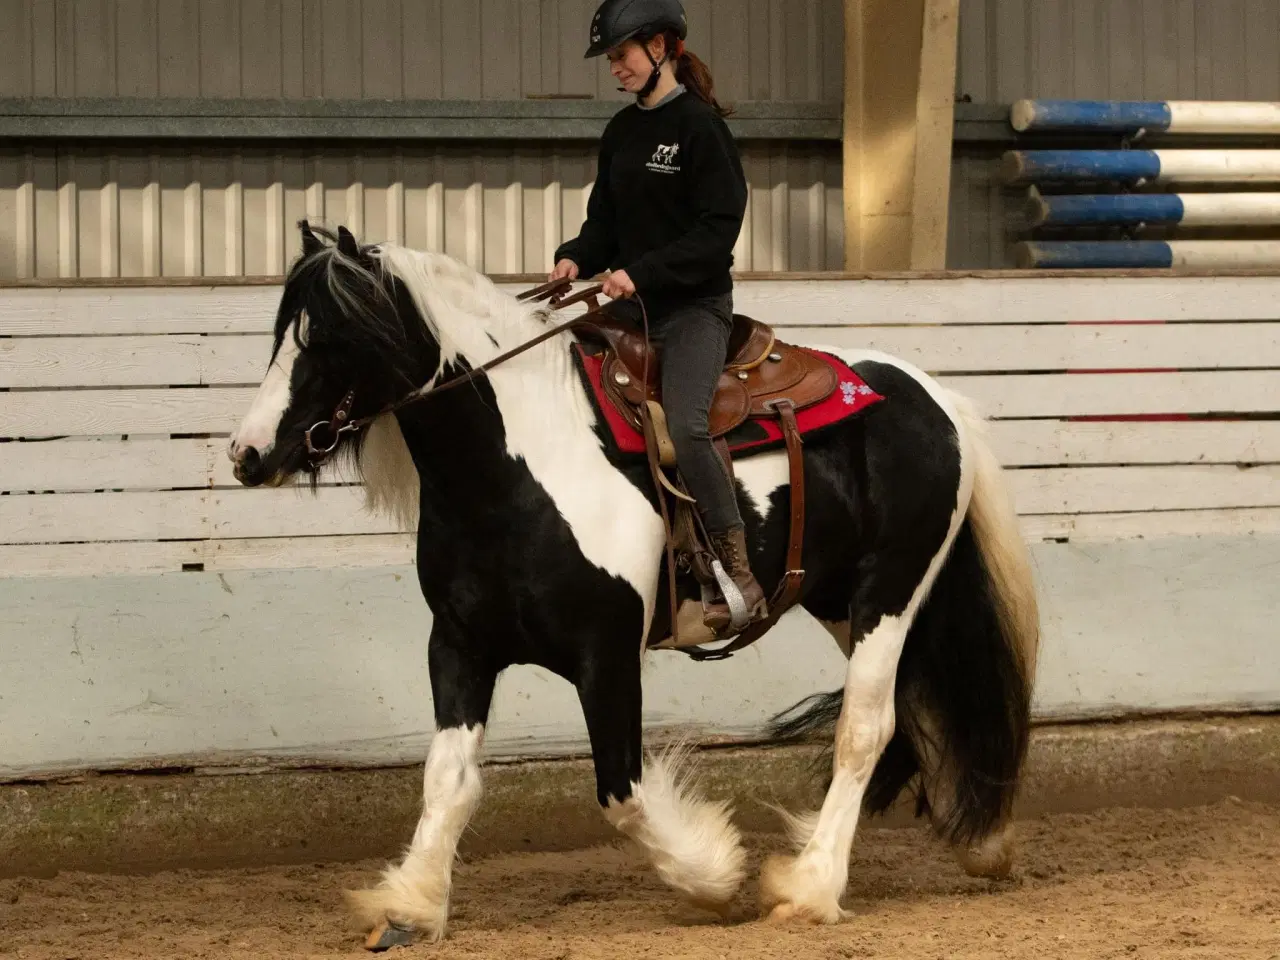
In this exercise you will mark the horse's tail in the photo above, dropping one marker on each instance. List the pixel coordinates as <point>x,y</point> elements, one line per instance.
<point>964,681</point>
<point>979,647</point>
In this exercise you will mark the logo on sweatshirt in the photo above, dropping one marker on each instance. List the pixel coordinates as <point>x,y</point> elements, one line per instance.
<point>664,159</point>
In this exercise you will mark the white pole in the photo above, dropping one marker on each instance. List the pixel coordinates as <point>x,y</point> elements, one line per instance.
<point>1229,209</point>
<point>1222,116</point>
<point>1225,253</point>
<point>1218,166</point>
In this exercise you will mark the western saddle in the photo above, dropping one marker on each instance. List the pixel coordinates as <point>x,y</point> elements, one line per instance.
<point>763,378</point>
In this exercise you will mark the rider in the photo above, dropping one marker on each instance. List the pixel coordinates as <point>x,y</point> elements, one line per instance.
<point>664,214</point>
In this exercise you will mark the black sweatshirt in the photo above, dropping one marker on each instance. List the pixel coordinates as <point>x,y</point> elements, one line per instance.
<point>668,201</point>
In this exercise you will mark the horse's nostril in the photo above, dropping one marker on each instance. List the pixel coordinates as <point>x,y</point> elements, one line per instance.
<point>248,468</point>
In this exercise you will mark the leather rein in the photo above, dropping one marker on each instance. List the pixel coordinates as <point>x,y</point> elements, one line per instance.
<point>323,436</point>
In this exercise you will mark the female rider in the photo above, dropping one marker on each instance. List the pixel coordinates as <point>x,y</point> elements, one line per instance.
<point>664,214</point>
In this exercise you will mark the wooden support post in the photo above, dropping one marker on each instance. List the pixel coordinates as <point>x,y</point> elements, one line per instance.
<point>900,63</point>
<point>935,119</point>
<point>852,153</point>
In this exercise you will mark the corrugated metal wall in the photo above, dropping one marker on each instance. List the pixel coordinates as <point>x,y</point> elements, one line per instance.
<point>90,212</point>
<point>1120,49</point>
<point>1105,49</point>
<point>215,212</point>
<point>982,213</point>
<point>463,49</point>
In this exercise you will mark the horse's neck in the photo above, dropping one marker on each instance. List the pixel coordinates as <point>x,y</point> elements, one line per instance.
<point>476,446</point>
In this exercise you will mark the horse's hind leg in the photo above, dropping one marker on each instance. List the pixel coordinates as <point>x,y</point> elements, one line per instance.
<point>412,898</point>
<point>895,582</point>
<point>810,884</point>
<point>691,841</point>
<point>992,856</point>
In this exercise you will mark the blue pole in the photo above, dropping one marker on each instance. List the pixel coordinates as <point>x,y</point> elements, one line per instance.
<point>1089,209</point>
<point>1090,116</point>
<point>1083,254</point>
<point>1124,165</point>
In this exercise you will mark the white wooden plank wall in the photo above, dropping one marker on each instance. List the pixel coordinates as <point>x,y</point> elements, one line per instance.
<point>214,211</point>
<point>116,404</point>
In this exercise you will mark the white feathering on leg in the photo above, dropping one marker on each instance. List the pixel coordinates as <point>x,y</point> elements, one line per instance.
<point>799,827</point>
<point>691,840</point>
<point>415,892</point>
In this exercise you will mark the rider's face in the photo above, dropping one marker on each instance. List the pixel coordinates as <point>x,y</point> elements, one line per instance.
<point>629,65</point>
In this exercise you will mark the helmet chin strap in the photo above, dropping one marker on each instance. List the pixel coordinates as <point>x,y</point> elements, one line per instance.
<point>653,77</point>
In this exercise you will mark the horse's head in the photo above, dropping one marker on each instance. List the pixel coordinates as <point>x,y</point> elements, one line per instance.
<point>347,334</point>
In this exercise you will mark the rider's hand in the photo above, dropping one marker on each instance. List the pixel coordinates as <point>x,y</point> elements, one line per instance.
<point>618,286</point>
<point>565,268</point>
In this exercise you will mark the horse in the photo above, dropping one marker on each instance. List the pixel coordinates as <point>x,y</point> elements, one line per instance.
<point>536,544</point>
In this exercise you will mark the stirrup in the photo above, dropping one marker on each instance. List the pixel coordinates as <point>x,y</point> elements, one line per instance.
<point>739,615</point>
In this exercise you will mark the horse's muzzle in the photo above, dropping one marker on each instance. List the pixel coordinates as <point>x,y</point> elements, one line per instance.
<point>248,468</point>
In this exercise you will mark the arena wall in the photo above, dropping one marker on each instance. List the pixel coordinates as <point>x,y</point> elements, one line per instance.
<point>153,613</point>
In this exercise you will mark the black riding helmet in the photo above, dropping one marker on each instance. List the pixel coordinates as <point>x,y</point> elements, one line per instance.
<point>619,20</point>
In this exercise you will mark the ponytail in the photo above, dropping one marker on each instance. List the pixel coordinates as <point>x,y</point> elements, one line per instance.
<point>693,73</point>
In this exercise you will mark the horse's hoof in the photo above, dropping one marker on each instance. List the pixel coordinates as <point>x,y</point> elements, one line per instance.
<point>388,934</point>
<point>991,858</point>
<point>807,913</point>
<point>782,913</point>
<point>721,908</point>
<point>789,893</point>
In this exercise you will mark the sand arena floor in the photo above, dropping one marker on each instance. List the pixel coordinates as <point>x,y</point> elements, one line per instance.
<point>1202,882</point>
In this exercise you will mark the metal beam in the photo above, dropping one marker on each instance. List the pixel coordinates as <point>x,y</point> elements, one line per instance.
<point>315,119</point>
<point>123,118</point>
<point>983,123</point>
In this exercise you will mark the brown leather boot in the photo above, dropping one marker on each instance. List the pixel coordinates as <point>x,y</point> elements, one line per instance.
<point>731,547</point>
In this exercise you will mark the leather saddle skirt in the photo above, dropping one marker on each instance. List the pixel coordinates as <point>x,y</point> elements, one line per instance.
<point>760,371</point>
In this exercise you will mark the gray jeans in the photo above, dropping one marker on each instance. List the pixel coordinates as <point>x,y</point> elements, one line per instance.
<point>694,338</point>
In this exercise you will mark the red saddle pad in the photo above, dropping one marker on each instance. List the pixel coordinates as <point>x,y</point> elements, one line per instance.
<point>850,397</point>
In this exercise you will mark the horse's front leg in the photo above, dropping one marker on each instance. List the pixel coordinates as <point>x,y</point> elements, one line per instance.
<point>691,841</point>
<point>412,899</point>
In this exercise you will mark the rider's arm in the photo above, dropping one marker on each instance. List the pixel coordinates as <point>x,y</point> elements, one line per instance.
<point>718,191</point>
<point>596,245</point>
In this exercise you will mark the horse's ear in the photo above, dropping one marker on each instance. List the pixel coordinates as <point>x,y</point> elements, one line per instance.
<point>347,244</point>
<point>310,242</point>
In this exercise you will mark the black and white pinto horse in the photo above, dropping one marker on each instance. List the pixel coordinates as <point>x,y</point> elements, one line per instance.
<point>536,545</point>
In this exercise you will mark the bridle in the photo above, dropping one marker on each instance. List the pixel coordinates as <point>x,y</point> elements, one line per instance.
<point>323,436</point>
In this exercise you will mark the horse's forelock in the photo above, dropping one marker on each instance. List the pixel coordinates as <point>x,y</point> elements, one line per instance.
<point>349,303</point>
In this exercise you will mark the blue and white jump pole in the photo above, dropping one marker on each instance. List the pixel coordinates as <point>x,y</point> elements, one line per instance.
<point>1152,166</point>
<point>1135,254</point>
<point>1148,166</point>
<point>1154,116</point>
<point>1183,209</point>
